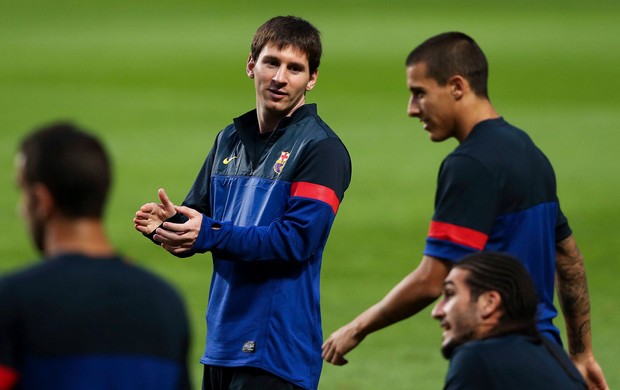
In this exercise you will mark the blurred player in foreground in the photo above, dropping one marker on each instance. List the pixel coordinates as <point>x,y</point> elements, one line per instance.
<point>263,204</point>
<point>85,317</point>
<point>488,316</point>
<point>496,192</point>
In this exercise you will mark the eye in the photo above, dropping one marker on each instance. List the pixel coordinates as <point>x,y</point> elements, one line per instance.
<point>296,69</point>
<point>448,293</point>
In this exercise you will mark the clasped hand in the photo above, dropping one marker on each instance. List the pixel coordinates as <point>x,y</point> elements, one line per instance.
<point>173,237</point>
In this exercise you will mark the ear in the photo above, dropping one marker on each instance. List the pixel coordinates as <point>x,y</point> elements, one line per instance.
<point>249,68</point>
<point>41,201</point>
<point>313,76</point>
<point>458,86</point>
<point>490,303</point>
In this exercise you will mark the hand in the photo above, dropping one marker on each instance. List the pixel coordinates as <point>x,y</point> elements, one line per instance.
<point>152,215</point>
<point>340,343</point>
<point>591,371</point>
<point>180,237</point>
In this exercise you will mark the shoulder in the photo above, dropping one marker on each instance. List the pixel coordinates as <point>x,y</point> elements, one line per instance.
<point>142,276</point>
<point>468,367</point>
<point>23,276</point>
<point>483,354</point>
<point>307,119</point>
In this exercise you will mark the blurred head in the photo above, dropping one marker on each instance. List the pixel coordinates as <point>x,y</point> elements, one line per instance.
<point>61,171</point>
<point>486,294</point>
<point>289,32</point>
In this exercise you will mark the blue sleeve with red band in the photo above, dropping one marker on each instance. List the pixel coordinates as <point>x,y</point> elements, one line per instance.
<point>466,203</point>
<point>301,231</point>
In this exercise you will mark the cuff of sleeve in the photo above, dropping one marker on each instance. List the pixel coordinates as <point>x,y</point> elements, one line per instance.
<point>211,234</point>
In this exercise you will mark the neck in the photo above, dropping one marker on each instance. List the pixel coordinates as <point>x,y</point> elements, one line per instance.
<point>268,120</point>
<point>474,110</point>
<point>525,327</point>
<point>83,235</point>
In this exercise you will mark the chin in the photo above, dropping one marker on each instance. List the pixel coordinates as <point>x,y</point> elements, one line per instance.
<point>438,137</point>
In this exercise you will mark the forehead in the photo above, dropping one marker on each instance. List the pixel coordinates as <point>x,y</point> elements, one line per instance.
<point>289,52</point>
<point>456,278</point>
<point>417,76</point>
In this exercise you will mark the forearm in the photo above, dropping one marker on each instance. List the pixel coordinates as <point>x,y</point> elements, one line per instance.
<point>296,236</point>
<point>573,296</point>
<point>411,295</point>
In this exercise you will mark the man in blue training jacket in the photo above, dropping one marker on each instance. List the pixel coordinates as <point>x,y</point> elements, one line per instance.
<point>263,204</point>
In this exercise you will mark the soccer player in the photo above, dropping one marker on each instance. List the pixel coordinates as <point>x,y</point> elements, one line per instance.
<point>488,316</point>
<point>85,317</point>
<point>496,192</point>
<point>263,204</point>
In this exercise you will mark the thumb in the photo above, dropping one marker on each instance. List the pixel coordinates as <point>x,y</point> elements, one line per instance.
<point>165,201</point>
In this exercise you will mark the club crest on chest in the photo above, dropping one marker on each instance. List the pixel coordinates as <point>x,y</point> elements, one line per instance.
<point>281,162</point>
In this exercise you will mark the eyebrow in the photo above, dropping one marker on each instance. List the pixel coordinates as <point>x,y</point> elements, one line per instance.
<point>295,63</point>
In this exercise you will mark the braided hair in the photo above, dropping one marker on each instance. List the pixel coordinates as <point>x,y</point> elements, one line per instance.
<point>506,275</point>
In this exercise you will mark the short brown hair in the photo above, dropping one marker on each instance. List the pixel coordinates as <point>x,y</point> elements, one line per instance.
<point>285,31</point>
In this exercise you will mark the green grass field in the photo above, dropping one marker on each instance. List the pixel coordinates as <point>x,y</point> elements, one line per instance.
<point>157,79</point>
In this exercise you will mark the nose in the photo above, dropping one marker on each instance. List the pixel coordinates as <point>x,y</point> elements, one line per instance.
<point>438,312</point>
<point>280,76</point>
<point>413,109</point>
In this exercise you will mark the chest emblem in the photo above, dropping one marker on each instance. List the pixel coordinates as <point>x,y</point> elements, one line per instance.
<point>227,160</point>
<point>279,165</point>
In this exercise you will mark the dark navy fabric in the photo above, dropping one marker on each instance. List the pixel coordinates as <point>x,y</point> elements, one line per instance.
<point>511,362</point>
<point>497,192</point>
<point>75,322</point>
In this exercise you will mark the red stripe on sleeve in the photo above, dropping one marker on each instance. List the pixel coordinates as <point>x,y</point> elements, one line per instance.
<point>316,191</point>
<point>458,235</point>
<point>8,377</point>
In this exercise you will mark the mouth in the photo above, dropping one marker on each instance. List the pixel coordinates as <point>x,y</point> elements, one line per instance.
<point>277,92</point>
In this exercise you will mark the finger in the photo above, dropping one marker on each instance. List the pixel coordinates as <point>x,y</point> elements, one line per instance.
<point>177,228</point>
<point>147,208</point>
<point>141,229</point>
<point>187,211</point>
<point>325,352</point>
<point>142,216</point>
<point>174,249</point>
<point>165,236</point>
<point>165,201</point>
<point>341,361</point>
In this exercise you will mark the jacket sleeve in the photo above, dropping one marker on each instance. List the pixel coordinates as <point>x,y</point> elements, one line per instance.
<point>303,229</point>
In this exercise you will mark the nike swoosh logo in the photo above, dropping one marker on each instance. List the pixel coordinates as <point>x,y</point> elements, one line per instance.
<point>229,159</point>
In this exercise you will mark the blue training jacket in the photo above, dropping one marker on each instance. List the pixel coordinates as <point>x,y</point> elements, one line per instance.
<point>268,203</point>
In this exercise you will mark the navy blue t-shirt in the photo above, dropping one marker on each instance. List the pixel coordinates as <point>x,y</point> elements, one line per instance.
<point>512,362</point>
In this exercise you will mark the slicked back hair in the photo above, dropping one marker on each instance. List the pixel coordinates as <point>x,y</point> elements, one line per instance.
<point>505,274</point>
<point>451,54</point>
<point>289,31</point>
<point>72,164</point>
